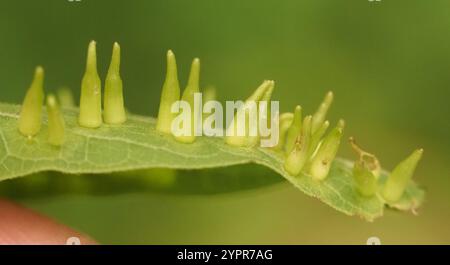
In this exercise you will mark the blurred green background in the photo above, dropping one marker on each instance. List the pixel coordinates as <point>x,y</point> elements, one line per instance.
<point>388,63</point>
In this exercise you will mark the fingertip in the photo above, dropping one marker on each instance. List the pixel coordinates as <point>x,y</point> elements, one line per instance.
<point>21,226</point>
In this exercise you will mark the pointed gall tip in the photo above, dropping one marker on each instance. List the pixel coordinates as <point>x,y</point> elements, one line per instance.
<point>92,47</point>
<point>328,100</point>
<point>114,67</point>
<point>39,71</point>
<point>329,97</point>
<point>51,100</point>
<point>308,118</point>
<point>265,83</point>
<point>194,77</point>
<point>91,64</point>
<point>307,123</point>
<point>418,153</point>
<point>320,114</point>
<point>195,67</point>
<point>170,54</point>
<point>298,113</point>
<point>171,64</point>
<point>38,79</point>
<point>269,90</point>
<point>271,85</point>
<point>260,92</point>
<point>116,49</point>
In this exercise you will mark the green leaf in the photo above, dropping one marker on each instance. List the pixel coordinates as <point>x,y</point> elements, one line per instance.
<point>135,157</point>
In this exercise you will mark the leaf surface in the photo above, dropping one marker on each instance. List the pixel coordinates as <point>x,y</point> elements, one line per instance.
<point>135,157</point>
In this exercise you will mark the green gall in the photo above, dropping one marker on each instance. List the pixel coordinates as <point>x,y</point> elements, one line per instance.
<point>91,98</point>
<point>366,183</point>
<point>169,95</point>
<point>30,119</point>
<point>321,113</point>
<point>248,110</point>
<point>55,122</point>
<point>366,171</point>
<point>114,109</point>
<point>266,98</point>
<point>370,160</point>
<point>263,117</point>
<point>322,160</point>
<point>294,130</point>
<point>298,157</point>
<point>400,177</point>
<point>316,137</point>
<point>260,92</point>
<point>192,87</point>
<point>286,120</point>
